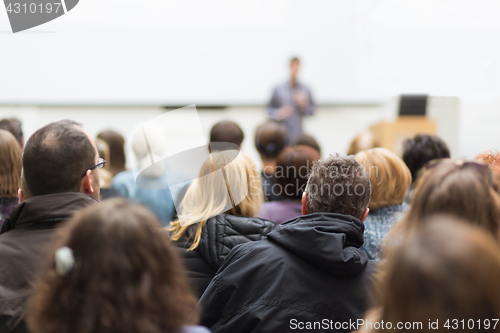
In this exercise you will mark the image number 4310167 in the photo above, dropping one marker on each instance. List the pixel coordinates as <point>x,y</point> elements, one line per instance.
<point>26,14</point>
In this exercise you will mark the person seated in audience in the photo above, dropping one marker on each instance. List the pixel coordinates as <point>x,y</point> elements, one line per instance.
<point>420,150</point>
<point>150,188</point>
<point>492,158</point>
<point>308,269</point>
<point>227,131</point>
<point>390,179</point>
<point>112,269</point>
<point>59,168</point>
<point>116,144</point>
<point>308,140</point>
<point>15,127</point>
<point>292,169</point>
<point>224,135</point>
<point>464,189</point>
<point>11,157</point>
<point>444,277</point>
<point>216,214</point>
<point>363,141</point>
<point>270,140</point>
<point>106,178</point>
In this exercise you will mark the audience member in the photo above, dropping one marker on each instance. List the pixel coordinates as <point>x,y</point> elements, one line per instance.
<point>111,269</point>
<point>227,131</point>
<point>116,145</point>
<point>463,189</point>
<point>224,135</point>
<point>11,157</point>
<point>445,275</point>
<point>212,220</point>
<point>307,140</point>
<point>292,170</point>
<point>308,269</point>
<point>363,141</point>
<point>150,188</point>
<point>492,158</point>
<point>420,150</point>
<point>290,102</point>
<point>105,177</point>
<point>59,163</point>
<point>270,140</point>
<point>15,127</point>
<point>390,179</point>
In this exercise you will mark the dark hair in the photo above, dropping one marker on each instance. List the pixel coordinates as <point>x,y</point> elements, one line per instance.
<point>226,131</point>
<point>307,140</point>
<point>116,143</point>
<point>55,158</point>
<point>422,149</point>
<point>126,276</point>
<point>11,157</point>
<point>292,170</point>
<point>14,126</point>
<point>340,185</point>
<point>445,270</point>
<point>270,139</point>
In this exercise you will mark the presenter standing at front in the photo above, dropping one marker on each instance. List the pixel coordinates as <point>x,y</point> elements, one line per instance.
<point>290,102</point>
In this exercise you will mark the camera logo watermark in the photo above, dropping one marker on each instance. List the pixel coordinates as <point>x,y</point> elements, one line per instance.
<point>26,14</point>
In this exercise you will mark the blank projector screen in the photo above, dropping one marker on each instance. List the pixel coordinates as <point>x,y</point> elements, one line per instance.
<point>227,52</point>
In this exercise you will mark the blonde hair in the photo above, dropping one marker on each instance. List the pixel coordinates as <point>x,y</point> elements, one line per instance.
<point>363,141</point>
<point>228,183</point>
<point>11,156</point>
<point>389,176</point>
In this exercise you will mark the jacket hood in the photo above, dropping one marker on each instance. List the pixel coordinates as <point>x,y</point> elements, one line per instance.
<point>328,240</point>
<point>44,211</point>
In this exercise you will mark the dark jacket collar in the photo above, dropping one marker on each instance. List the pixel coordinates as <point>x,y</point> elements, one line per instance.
<point>44,211</point>
<point>331,241</point>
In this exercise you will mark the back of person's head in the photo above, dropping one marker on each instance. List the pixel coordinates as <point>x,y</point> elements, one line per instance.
<point>228,183</point>
<point>116,144</point>
<point>421,149</point>
<point>15,127</point>
<point>292,170</point>
<point>464,189</point>
<point>111,269</point>
<point>307,140</point>
<point>492,159</point>
<point>56,158</point>
<point>226,131</point>
<point>11,157</point>
<point>270,139</point>
<point>444,271</point>
<point>363,141</point>
<point>389,176</point>
<point>154,149</point>
<point>338,184</point>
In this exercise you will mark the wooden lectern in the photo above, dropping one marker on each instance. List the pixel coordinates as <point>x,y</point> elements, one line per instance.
<point>392,134</point>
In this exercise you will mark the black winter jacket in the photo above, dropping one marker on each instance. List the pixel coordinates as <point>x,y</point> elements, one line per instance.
<point>219,235</point>
<point>310,273</point>
<point>23,238</point>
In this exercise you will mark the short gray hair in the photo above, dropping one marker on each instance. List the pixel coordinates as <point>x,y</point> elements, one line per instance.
<point>338,184</point>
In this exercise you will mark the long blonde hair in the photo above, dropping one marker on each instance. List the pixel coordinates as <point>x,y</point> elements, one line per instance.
<point>228,183</point>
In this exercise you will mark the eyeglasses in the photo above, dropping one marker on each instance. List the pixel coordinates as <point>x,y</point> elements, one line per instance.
<point>101,163</point>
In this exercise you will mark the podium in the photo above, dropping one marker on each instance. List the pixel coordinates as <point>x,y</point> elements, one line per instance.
<point>392,134</point>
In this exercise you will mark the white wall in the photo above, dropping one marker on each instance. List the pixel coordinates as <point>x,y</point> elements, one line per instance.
<point>226,52</point>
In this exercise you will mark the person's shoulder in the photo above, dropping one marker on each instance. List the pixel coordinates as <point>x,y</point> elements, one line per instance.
<point>123,176</point>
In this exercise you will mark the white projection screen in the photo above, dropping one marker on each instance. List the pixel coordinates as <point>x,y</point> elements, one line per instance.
<point>228,52</point>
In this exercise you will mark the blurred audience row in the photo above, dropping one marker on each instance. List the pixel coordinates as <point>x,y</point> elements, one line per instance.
<point>365,235</point>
